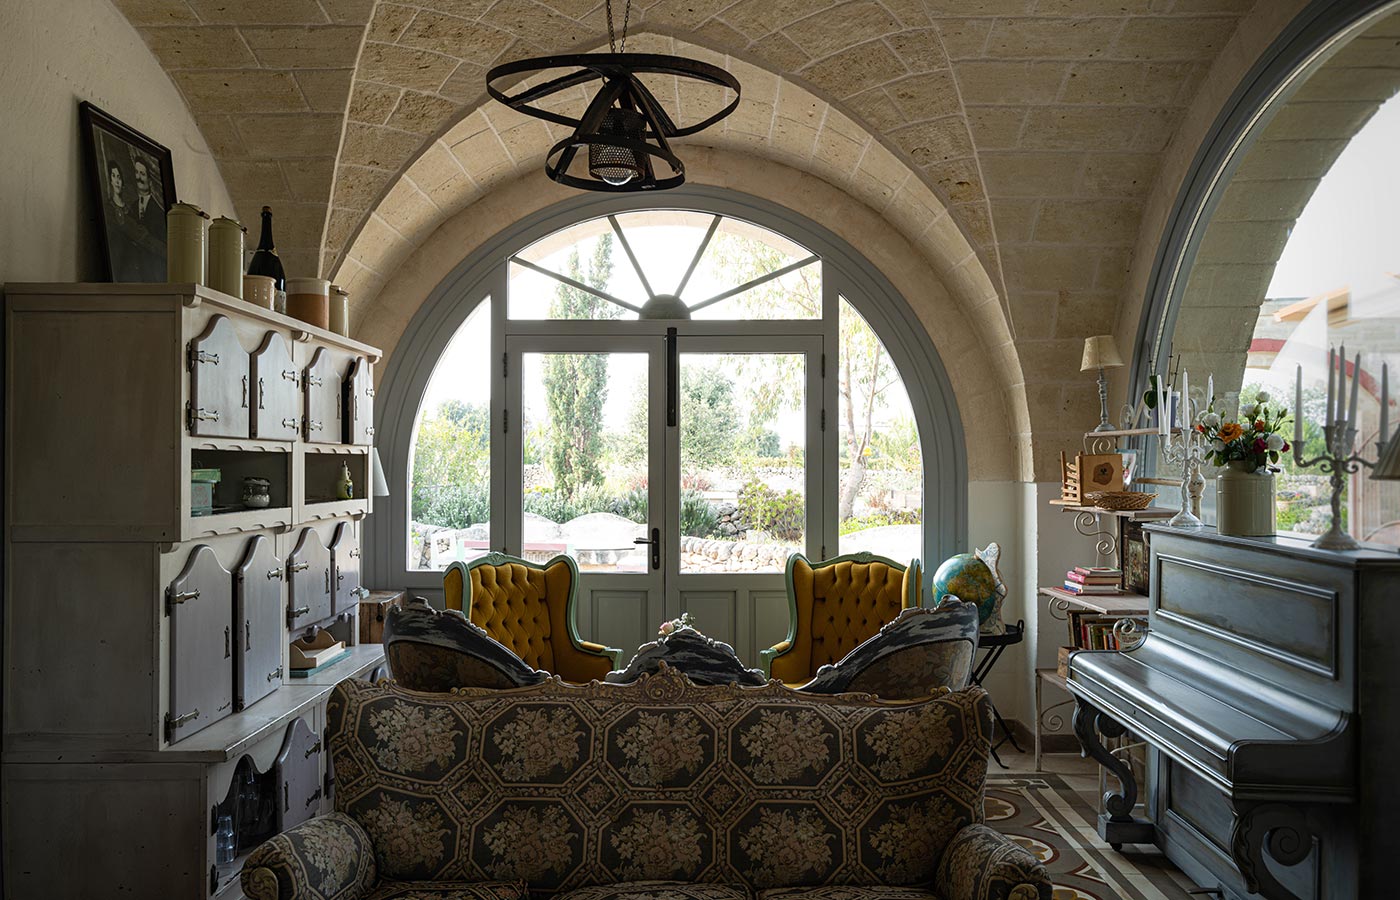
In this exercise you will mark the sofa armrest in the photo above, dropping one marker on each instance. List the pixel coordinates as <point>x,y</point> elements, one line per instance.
<point>980,863</point>
<point>325,858</point>
<point>766,657</point>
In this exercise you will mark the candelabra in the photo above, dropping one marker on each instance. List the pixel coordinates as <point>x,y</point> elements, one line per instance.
<point>1339,433</point>
<point>1188,449</point>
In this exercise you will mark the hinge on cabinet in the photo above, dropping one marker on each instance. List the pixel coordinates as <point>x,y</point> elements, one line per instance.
<point>274,674</point>
<point>314,748</point>
<point>200,414</point>
<point>314,797</point>
<point>505,421</point>
<point>823,369</point>
<point>328,784</point>
<point>213,878</point>
<point>193,357</point>
<point>214,819</point>
<point>505,365</point>
<point>823,556</point>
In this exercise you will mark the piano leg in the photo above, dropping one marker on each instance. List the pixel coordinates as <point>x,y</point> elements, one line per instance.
<point>1118,826</point>
<point>1284,829</point>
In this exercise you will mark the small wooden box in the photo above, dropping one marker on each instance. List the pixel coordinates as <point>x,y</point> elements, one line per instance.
<point>373,612</point>
<point>1062,663</point>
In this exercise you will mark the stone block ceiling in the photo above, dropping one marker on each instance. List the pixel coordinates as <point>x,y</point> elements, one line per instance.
<point>1039,125</point>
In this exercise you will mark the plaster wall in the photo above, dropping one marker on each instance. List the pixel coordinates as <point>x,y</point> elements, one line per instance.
<point>52,55</point>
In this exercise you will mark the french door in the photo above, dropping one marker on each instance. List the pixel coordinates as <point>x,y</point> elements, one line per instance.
<point>689,535</point>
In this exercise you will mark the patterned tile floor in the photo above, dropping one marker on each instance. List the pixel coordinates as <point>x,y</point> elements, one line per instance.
<point>1053,814</point>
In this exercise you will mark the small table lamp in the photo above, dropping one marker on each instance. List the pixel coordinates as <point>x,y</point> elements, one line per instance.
<point>378,483</point>
<point>1101,352</point>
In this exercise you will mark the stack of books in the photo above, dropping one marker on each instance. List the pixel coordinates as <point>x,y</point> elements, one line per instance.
<point>1093,580</point>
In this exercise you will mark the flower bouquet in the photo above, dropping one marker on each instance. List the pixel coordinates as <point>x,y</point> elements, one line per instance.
<point>1256,439</point>
<point>1247,450</point>
<point>673,625</point>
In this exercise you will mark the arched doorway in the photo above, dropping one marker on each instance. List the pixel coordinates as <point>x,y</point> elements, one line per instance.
<point>798,407</point>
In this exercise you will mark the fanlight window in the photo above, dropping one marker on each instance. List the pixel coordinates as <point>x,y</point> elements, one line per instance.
<point>667,264</point>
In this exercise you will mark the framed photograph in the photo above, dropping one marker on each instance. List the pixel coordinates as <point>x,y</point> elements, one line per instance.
<point>1132,544</point>
<point>133,184</point>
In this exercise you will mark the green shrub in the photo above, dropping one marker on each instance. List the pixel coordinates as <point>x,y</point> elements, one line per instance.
<point>632,505</point>
<point>557,507</point>
<point>451,505</point>
<point>698,517</point>
<point>781,515</point>
<point>875,520</point>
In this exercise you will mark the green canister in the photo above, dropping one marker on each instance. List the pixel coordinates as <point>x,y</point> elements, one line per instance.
<point>226,256</point>
<point>187,244</point>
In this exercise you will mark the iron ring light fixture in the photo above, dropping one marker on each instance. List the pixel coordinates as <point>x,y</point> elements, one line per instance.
<point>624,129</point>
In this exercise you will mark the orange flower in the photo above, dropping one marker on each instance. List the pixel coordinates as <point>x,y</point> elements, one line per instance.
<point>1229,431</point>
<point>1259,425</point>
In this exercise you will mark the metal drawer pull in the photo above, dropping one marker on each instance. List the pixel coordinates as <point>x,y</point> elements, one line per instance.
<point>182,596</point>
<point>262,392</point>
<point>290,423</point>
<point>298,567</point>
<point>301,611</point>
<point>286,797</point>
<point>328,580</point>
<point>290,375</point>
<point>274,574</point>
<point>314,748</point>
<point>244,404</point>
<point>228,642</point>
<point>274,674</point>
<point>339,576</point>
<point>355,554</point>
<point>247,634</point>
<point>314,797</point>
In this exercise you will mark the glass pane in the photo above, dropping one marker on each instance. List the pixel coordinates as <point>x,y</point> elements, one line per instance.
<point>739,253</point>
<point>1299,258</point>
<point>796,295</point>
<point>665,241</point>
<point>585,458</point>
<point>880,507</point>
<point>450,459</point>
<point>587,253</point>
<point>743,437</point>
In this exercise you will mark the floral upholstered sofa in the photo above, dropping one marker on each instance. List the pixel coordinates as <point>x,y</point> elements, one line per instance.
<point>655,790</point>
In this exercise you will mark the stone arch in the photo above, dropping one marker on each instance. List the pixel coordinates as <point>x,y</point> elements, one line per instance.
<point>1270,185</point>
<point>984,394</point>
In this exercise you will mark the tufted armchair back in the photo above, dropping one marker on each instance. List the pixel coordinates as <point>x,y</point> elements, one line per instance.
<point>529,608</point>
<point>834,606</point>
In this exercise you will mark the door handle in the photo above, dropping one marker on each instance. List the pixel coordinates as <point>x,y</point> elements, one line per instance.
<point>655,542</point>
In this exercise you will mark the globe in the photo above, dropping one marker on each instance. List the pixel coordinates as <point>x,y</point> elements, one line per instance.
<point>970,580</point>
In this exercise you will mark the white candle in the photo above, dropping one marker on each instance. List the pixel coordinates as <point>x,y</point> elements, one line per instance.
<point>1298,411</point>
<point>1210,390</point>
<point>1185,399</point>
<point>1331,370</point>
<point>1355,382</point>
<point>1162,413</point>
<point>1385,402</point>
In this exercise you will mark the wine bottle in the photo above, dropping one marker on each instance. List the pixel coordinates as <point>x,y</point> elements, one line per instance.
<point>266,262</point>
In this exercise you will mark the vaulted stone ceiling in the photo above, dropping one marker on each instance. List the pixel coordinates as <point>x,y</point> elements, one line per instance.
<point>1039,124</point>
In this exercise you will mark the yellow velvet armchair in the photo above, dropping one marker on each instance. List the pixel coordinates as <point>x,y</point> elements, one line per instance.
<point>529,608</point>
<point>835,604</point>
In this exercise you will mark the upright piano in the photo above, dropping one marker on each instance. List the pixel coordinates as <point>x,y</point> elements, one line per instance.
<point>1267,688</point>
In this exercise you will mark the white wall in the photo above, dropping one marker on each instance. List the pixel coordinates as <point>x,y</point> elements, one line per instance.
<point>54,53</point>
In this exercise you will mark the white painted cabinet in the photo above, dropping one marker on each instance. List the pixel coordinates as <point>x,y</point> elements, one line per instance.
<point>145,646</point>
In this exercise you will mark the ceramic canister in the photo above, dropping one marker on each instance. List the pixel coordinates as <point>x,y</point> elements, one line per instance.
<point>187,243</point>
<point>226,256</point>
<point>260,290</point>
<point>340,310</point>
<point>308,299</point>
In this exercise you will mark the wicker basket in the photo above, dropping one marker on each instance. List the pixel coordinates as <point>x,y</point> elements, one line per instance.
<point>1120,500</point>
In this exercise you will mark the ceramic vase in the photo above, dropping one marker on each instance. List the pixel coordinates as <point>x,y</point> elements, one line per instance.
<point>1244,500</point>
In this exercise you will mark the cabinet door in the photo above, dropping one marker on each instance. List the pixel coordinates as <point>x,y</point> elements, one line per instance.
<point>321,386</point>
<point>309,581</point>
<point>298,773</point>
<point>200,604</point>
<point>359,403</point>
<point>345,567</point>
<point>218,382</point>
<point>258,618</point>
<point>276,414</point>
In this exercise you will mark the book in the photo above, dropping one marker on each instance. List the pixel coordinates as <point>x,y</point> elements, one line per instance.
<point>1075,587</point>
<point>1099,570</point>
<point>1092,579</point>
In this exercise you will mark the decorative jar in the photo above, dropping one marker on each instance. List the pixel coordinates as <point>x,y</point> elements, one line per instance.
<point>1244,500</point>
<point>257,493</point>
<point>187,244</point>
<point>225,268</point>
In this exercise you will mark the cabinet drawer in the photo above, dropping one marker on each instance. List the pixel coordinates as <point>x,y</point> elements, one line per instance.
<point>308,581</point>
<point>276,411</point>
<point>199,603</point>
<point>345,568</point>
<point>258,618</point>
<point>219,385</point>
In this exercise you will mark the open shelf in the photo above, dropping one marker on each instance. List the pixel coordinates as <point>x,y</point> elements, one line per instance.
<point>1121,604</point>
<point>322,475</point>
<point>1151,512</point>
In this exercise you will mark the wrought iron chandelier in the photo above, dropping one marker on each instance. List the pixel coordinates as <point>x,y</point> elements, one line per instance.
<point>624,129</point>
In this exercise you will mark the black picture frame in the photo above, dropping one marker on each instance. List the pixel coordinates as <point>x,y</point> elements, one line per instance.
<point>1136,557</point>
<point>130,221</point>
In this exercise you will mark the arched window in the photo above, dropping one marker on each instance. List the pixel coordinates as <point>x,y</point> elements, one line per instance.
<point>678,396</point>
<point>1285,244</point>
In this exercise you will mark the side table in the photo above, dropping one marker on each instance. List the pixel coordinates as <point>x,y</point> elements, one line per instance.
<point>372,613</point>
<point>994,646</point>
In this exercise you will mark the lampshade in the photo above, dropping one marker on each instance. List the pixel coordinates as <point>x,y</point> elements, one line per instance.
<point>378,483</point>
<point>1100,352</point>
<point>1388,466</point>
